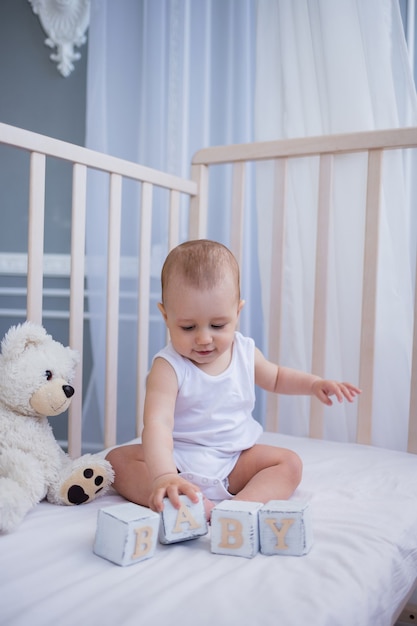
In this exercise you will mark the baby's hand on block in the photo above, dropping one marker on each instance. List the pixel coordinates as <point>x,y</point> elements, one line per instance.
<point>171,486</point>
<point>323,389</point>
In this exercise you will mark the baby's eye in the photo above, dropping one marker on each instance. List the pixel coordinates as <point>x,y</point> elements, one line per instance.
<point>217,326</point>
<point>48,375</point>
<point>187,328</point>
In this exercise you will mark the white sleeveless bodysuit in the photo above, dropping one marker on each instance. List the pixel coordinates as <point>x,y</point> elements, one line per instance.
<point>213,420</point>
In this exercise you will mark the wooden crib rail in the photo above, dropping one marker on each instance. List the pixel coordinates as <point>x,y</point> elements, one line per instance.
<point>34,142</point>
<point>40,147</point>
<point>343,143</point>
<point>326,148</point>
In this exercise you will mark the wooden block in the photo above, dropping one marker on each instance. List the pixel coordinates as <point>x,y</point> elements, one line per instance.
<point>126,533</point>
<point>187,522</point>
<point>234,528</point>
<point>285,527</point>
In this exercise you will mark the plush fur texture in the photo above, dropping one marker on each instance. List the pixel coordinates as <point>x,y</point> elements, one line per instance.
<point>35,382</point>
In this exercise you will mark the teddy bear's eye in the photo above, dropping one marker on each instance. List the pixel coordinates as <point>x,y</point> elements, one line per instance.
<point>48,374</point>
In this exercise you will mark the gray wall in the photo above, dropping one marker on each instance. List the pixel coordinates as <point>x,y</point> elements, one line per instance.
<point>34,96</point>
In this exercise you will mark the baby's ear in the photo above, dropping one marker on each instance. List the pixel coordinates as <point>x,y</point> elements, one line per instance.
<point>241,305</point>
<point>162,309</point>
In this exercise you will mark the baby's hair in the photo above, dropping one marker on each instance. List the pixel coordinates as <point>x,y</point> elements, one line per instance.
<point>200,263</point>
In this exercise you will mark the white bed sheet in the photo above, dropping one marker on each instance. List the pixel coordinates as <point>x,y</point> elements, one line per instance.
<point>363,561</point>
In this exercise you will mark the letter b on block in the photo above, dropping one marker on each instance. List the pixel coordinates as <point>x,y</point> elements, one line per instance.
<point>234,528</point>
<point>285,528</point>
<point>126,533</point>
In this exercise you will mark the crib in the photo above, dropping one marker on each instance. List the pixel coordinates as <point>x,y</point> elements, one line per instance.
<point>362,568</point>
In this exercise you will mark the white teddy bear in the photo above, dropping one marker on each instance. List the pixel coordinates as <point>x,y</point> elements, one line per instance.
<point>35,382</point>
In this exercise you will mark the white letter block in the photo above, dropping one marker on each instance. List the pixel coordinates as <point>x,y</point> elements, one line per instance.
<point>234,528</point>
<point>126,533</point>
<point>285,527</point>
<point>187,522</point>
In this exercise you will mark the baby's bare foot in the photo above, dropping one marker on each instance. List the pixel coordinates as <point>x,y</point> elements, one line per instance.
<point>208,507</point>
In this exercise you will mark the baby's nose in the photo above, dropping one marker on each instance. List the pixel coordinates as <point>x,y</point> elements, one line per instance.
<point>204,337</point>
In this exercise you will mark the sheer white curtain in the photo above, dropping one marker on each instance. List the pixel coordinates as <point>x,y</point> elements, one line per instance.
<point>166,77</point>
<point>331,67</point>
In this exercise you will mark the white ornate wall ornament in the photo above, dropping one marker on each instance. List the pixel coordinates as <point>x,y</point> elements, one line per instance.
<point>65,22</point>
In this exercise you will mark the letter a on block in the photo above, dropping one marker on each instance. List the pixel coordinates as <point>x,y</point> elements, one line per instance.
<point>187,522</point>
<point>184,516</point>
<point>231,533</point>
<point>143,541</point>
<point>280,533</point>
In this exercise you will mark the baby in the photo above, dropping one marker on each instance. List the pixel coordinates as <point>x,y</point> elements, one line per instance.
<point>199,433</point>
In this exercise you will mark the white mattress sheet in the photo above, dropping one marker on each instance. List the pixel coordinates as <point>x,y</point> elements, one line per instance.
<point>363,561</point>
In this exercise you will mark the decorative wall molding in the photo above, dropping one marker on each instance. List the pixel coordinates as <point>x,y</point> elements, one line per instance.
<point>65,22</point>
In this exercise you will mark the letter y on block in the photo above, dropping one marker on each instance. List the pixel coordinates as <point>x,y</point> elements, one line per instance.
<point>285,528</point>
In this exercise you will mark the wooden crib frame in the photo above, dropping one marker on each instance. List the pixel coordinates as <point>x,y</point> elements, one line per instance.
<point>374,143</point>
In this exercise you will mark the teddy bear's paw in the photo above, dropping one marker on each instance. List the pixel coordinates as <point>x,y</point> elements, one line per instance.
<point>92,485</point>
<point>84,484</point>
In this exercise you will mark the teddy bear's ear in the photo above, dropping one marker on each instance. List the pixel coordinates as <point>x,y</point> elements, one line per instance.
<point>19,338</point>
<point>73,356</point>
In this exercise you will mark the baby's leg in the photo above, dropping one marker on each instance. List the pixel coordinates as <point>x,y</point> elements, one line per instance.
<point>265,473</point>
<point>132,478</point>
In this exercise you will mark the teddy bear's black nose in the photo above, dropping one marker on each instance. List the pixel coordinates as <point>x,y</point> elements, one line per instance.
<point>68,390</point>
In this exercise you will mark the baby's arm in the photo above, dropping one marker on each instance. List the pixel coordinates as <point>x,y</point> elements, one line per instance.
<point>290,381</point>
<point>161,393</point>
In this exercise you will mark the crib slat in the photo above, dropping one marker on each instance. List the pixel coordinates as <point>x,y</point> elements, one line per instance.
<point>144,297</point>
<point>76,328</point>
<point>36,236</point>
<point>369,295</point>
<point>174,219</point>
<point>112,308</point>
<point>199,203</point>
<point>321,287</point>
<point>412,418</point>
<point>277,282</point>
<point>174,227</point>
<point>237,211</point>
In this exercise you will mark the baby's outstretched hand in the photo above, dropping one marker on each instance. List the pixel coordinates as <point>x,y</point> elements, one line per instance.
<point>171,486</point>
<point>323,389</point>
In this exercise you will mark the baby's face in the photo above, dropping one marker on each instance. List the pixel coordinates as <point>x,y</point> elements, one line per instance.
<point>202,323</point>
